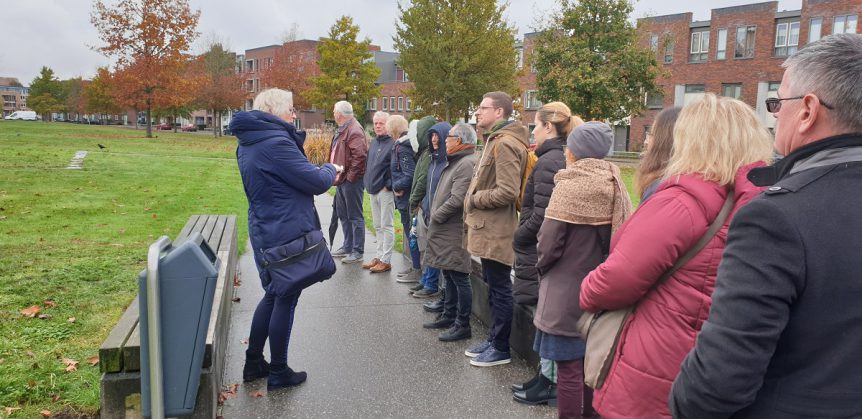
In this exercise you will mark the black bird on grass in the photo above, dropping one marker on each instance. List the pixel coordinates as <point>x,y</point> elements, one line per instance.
<point>100,146</point>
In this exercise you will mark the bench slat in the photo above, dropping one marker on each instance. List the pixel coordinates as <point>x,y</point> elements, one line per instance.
<point>217,236</point>
<point>132,351</point>
<point>111,351</point>
<point>229,235</point>
<point>209,226</point>
<point>189,227</point>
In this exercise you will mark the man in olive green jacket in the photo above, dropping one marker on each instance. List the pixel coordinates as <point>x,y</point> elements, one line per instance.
<point>491,218</point>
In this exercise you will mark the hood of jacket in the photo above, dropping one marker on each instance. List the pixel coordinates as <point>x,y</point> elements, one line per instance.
<point>255,126</point>
<point>442,130</point>
<point>710,194</point>
<point>410,137</point>
<point>423,133</point>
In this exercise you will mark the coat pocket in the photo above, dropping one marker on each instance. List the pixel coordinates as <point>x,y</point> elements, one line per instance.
<point>296,265</point>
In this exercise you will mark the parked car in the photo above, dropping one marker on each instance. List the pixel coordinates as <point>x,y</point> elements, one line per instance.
<point>164,126</point>
<point>23,115</point>
<point>189,127</point>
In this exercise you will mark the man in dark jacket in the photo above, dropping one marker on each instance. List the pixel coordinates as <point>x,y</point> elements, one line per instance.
<point>349,150</point>
<point>783,334</point>
<point>378,183</point>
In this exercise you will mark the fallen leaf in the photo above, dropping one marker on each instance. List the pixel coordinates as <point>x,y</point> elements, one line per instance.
<point>258,394</point>
<point>155,216</point>
<point>228,393</point>
<point>2,360</point>
<point>93,360</point>
<point>35,365</point>
<point>236,281</point>
<point>235,299</point>
<point>31,311</point>
<point>244,341</point>
<point>71,320</point>
<point>45,316</point>
<point>30,354</point>
<point>45,413</point>
<point>147,209</point>
<point>50,303</point>
<point>71,364</point>
<point>55,397</point>
<point>9,410</point>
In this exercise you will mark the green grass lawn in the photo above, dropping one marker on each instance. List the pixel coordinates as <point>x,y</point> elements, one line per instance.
<point>73,241</point>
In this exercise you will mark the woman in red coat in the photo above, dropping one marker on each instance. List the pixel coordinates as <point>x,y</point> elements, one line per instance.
<point>716,142</point>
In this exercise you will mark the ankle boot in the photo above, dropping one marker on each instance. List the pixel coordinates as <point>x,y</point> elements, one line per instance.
<point>284,377</point>
<point>528,384</point>
<point>255,367</point>
<point>543,392</point>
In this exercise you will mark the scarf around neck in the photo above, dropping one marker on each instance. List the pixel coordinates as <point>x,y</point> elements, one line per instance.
<point>459,147</point>
<point>591,192</point>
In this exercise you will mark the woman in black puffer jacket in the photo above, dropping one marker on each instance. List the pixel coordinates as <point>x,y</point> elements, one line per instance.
<point>554,121</point>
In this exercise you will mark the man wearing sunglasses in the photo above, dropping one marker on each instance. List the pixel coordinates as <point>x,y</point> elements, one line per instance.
<point>783,334</point>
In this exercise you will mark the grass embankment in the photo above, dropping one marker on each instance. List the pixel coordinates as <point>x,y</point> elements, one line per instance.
<point>73,241</point>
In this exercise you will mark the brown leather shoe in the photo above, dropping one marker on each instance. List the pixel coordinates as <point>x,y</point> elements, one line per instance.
<point>380,267</point>
<point>371,264</point>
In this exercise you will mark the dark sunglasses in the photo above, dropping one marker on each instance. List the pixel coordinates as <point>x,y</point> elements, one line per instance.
<point>773,104</point>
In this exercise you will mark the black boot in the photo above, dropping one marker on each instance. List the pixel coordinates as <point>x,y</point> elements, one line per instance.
<point>456,332</point>
<point>544,392</point>
<point>441,322</point>
<point>255,367</point>
<point>284,377</point>
<point>528,384</point>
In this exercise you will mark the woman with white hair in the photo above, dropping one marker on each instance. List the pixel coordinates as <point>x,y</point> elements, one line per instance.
<point>280,184</point>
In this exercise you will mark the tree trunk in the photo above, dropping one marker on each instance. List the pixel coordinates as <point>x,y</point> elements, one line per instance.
<point>216,123</point>
<point>149,122</point>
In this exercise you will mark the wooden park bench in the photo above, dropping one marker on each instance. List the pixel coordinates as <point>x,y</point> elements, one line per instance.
<point>119,355</point>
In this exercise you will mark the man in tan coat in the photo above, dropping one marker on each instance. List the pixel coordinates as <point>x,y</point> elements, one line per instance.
<point>491,218</point>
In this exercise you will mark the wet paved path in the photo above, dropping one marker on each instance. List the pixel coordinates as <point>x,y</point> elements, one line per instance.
<point>360,338</point>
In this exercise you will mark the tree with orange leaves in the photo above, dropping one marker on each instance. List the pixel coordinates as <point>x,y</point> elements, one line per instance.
<point>149,39</point>
<point>293,66</point>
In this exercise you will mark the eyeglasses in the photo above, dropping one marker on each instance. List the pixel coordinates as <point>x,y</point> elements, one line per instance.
<point>482,108</point>
<point>773,104</point>
<point>452,136</point>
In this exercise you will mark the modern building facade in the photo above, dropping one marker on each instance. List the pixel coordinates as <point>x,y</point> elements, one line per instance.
<point>394,87</point>
<point>737,53</point>
<point>14,95</point>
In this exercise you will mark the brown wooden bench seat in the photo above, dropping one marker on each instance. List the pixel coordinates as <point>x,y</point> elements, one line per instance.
<point>119,354</point>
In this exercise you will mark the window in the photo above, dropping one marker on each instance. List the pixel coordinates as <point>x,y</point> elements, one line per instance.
<point>249,104</point>
<point>693,93</point>
<point>400,104</point>
<point>733,90</point>
<point>721,45</point>
<point>249,85</point>
<point>745,42</point>
<point>532,100</point>
<point>844,24</point>
<point>653,42</point>
<point>521,57</point>
<point>409,109</point>
<point>385,103</point>
<point>655,100</point>
<point>699,47</point>
<point>773,87</point>
<point>786,38</point>
<point>668,51</point>
<point>815,29</point>
<point>372,104</point>
<point>249,66</point>
<point>392,103</point>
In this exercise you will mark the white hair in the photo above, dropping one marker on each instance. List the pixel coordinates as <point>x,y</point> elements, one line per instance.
<point>275,101</point>
<point>380,115</point>
<point>465,132</point>
<point>344,107</point>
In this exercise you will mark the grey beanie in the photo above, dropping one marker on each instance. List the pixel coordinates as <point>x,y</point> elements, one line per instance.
<point>592,140</point>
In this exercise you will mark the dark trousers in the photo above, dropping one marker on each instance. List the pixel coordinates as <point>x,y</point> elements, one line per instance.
<point>498,278</point>
<point>348,205</point>
<point>414,253</point>
<point>273,319</point>
<point>574,399</point>
<point>458,297</point>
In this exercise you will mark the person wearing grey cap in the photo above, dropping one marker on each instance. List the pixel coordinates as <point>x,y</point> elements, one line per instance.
<point>588,203</point>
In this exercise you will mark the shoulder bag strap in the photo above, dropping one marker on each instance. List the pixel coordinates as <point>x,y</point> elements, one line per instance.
<point>710,233</point>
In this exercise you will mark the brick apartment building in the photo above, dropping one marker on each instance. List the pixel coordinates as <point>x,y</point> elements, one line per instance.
<point>394,84</point>
<point>14,95</point>
<point>737,53</point>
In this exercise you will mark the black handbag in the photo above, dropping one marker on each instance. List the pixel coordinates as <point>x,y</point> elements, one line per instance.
<point>298,264</point>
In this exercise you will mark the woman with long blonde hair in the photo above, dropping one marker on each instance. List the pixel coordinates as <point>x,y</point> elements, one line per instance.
<point>717,141</point>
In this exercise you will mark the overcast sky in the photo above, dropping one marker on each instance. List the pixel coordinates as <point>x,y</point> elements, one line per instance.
<point>58,33</point>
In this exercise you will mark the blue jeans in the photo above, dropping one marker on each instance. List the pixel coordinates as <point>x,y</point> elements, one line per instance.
<point>273,319</point>
<point>430,278</point>
<point>498,278</point>
<point>458,300</point>
<point>405,224</point>
<point>348,205</point>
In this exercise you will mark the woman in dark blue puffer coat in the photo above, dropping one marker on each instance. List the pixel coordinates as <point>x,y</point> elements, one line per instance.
<point>280,184</point>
